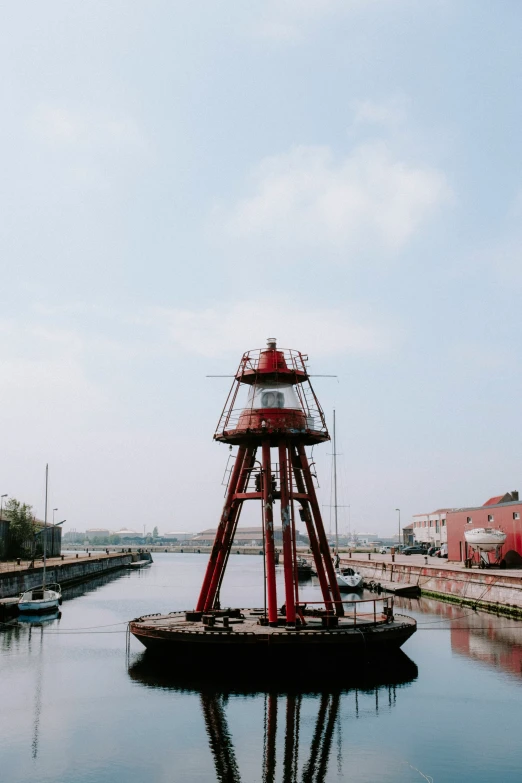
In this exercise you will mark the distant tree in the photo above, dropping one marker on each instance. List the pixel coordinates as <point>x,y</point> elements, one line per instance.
<point>21,527</point>
<point>155,533</point>
<point>114,540</point>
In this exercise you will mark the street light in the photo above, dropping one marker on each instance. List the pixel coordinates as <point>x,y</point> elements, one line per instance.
<point>398,509</point>
<point>2,505</point>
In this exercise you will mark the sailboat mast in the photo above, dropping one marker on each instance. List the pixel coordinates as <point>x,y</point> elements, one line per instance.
<point>335,485</point>
<point>45,524</point>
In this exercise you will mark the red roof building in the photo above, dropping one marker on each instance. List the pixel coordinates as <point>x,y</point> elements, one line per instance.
<point>502,512</point>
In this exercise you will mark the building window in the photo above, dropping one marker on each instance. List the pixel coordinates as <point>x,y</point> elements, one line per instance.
<point>469,521</point>
<point>516,515</point>
<point>443,523</point>
<point>490,517</point>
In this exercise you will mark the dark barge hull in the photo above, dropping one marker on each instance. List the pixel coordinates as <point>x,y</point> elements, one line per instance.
<point>181,641</point>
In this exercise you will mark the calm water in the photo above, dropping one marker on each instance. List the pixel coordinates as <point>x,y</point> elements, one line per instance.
<point>75,708</point>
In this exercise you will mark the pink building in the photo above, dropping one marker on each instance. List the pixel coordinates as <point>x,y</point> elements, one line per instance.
<point>503,512</point>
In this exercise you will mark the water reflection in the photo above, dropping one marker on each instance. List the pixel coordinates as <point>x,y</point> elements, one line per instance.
<point>488,638</point>
<point>293,748</point>
<point>76,591</point>
<point>37,695</point>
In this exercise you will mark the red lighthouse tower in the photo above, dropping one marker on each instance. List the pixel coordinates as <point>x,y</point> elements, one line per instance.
<point>271,415</point>
<point>273,410</point>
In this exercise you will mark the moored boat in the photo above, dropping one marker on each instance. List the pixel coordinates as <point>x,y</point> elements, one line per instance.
<point>46,598</point>
<point>348,579</point>
<point>485,538</point>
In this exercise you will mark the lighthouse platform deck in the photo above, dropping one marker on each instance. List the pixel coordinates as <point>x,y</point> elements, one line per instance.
<point>193,635</point>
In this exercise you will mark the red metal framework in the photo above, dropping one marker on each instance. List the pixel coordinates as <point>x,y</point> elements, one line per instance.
<point>282,412</point>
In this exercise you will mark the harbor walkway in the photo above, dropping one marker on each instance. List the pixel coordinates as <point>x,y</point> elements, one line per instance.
<point>424,560</point>
<point>67,557</point>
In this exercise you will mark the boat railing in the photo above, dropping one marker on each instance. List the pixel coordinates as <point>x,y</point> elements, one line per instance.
<point>367,615</point>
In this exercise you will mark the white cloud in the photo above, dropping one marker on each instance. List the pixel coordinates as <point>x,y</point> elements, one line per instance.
<point>229,329</point>
<point>286,21</point>
<point>308,198</point>
<point>87,148</point>
<point>389,113</point>
<point>234,328</point>
<point>43,381</point>
<point>86,128</point>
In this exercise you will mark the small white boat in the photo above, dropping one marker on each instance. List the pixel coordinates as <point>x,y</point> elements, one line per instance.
<point>40,599</point>
<point>485,538</point>
<point>47,597</point>
<point>348,579</point>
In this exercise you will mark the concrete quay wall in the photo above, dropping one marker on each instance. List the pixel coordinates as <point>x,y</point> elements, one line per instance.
<point>492,592</point>
<point>12,583</point>
<point>170,548</point>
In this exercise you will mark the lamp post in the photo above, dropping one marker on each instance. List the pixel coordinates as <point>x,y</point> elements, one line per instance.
<point>2,505</point>
<point>398,545</point>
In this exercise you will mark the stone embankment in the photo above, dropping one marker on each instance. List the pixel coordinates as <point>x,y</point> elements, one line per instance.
<point>15,579</point>
<point>498,591</point>
<point>179,548</point>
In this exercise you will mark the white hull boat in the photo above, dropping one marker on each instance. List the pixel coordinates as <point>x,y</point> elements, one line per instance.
<point>348,579</point>
<point>486,539</point>
<point>40,599</point>
<point>47,597</point>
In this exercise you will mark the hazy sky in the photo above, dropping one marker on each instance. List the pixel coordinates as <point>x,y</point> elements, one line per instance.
<point>182,180</point>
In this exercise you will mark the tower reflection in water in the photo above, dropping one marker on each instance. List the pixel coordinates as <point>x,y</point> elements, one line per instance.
<point>296,744</point>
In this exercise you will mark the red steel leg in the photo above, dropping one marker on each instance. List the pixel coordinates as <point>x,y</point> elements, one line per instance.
<point>287,533</point>
<point>248,464</point>
<point>220,532</point>
<point>314,544</point>
<point>269,765</point>
<point>269,535</point>
<point>321,535</point>
<point>230,529</point>
<point>294,538</point>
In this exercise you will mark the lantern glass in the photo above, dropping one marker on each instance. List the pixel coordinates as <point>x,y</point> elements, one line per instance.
<point>273,395</point>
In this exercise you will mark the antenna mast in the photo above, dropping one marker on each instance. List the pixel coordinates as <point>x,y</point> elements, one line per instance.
<point>335,485</point>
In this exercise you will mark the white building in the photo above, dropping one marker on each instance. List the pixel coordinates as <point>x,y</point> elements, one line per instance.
<point>124,533</point>
<point>431,528</point>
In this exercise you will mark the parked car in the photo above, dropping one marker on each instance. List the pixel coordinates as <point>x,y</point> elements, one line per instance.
<point>443,551</point>
<point>385,550</point>
<point>414,550</point>
<point>432,551</point>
